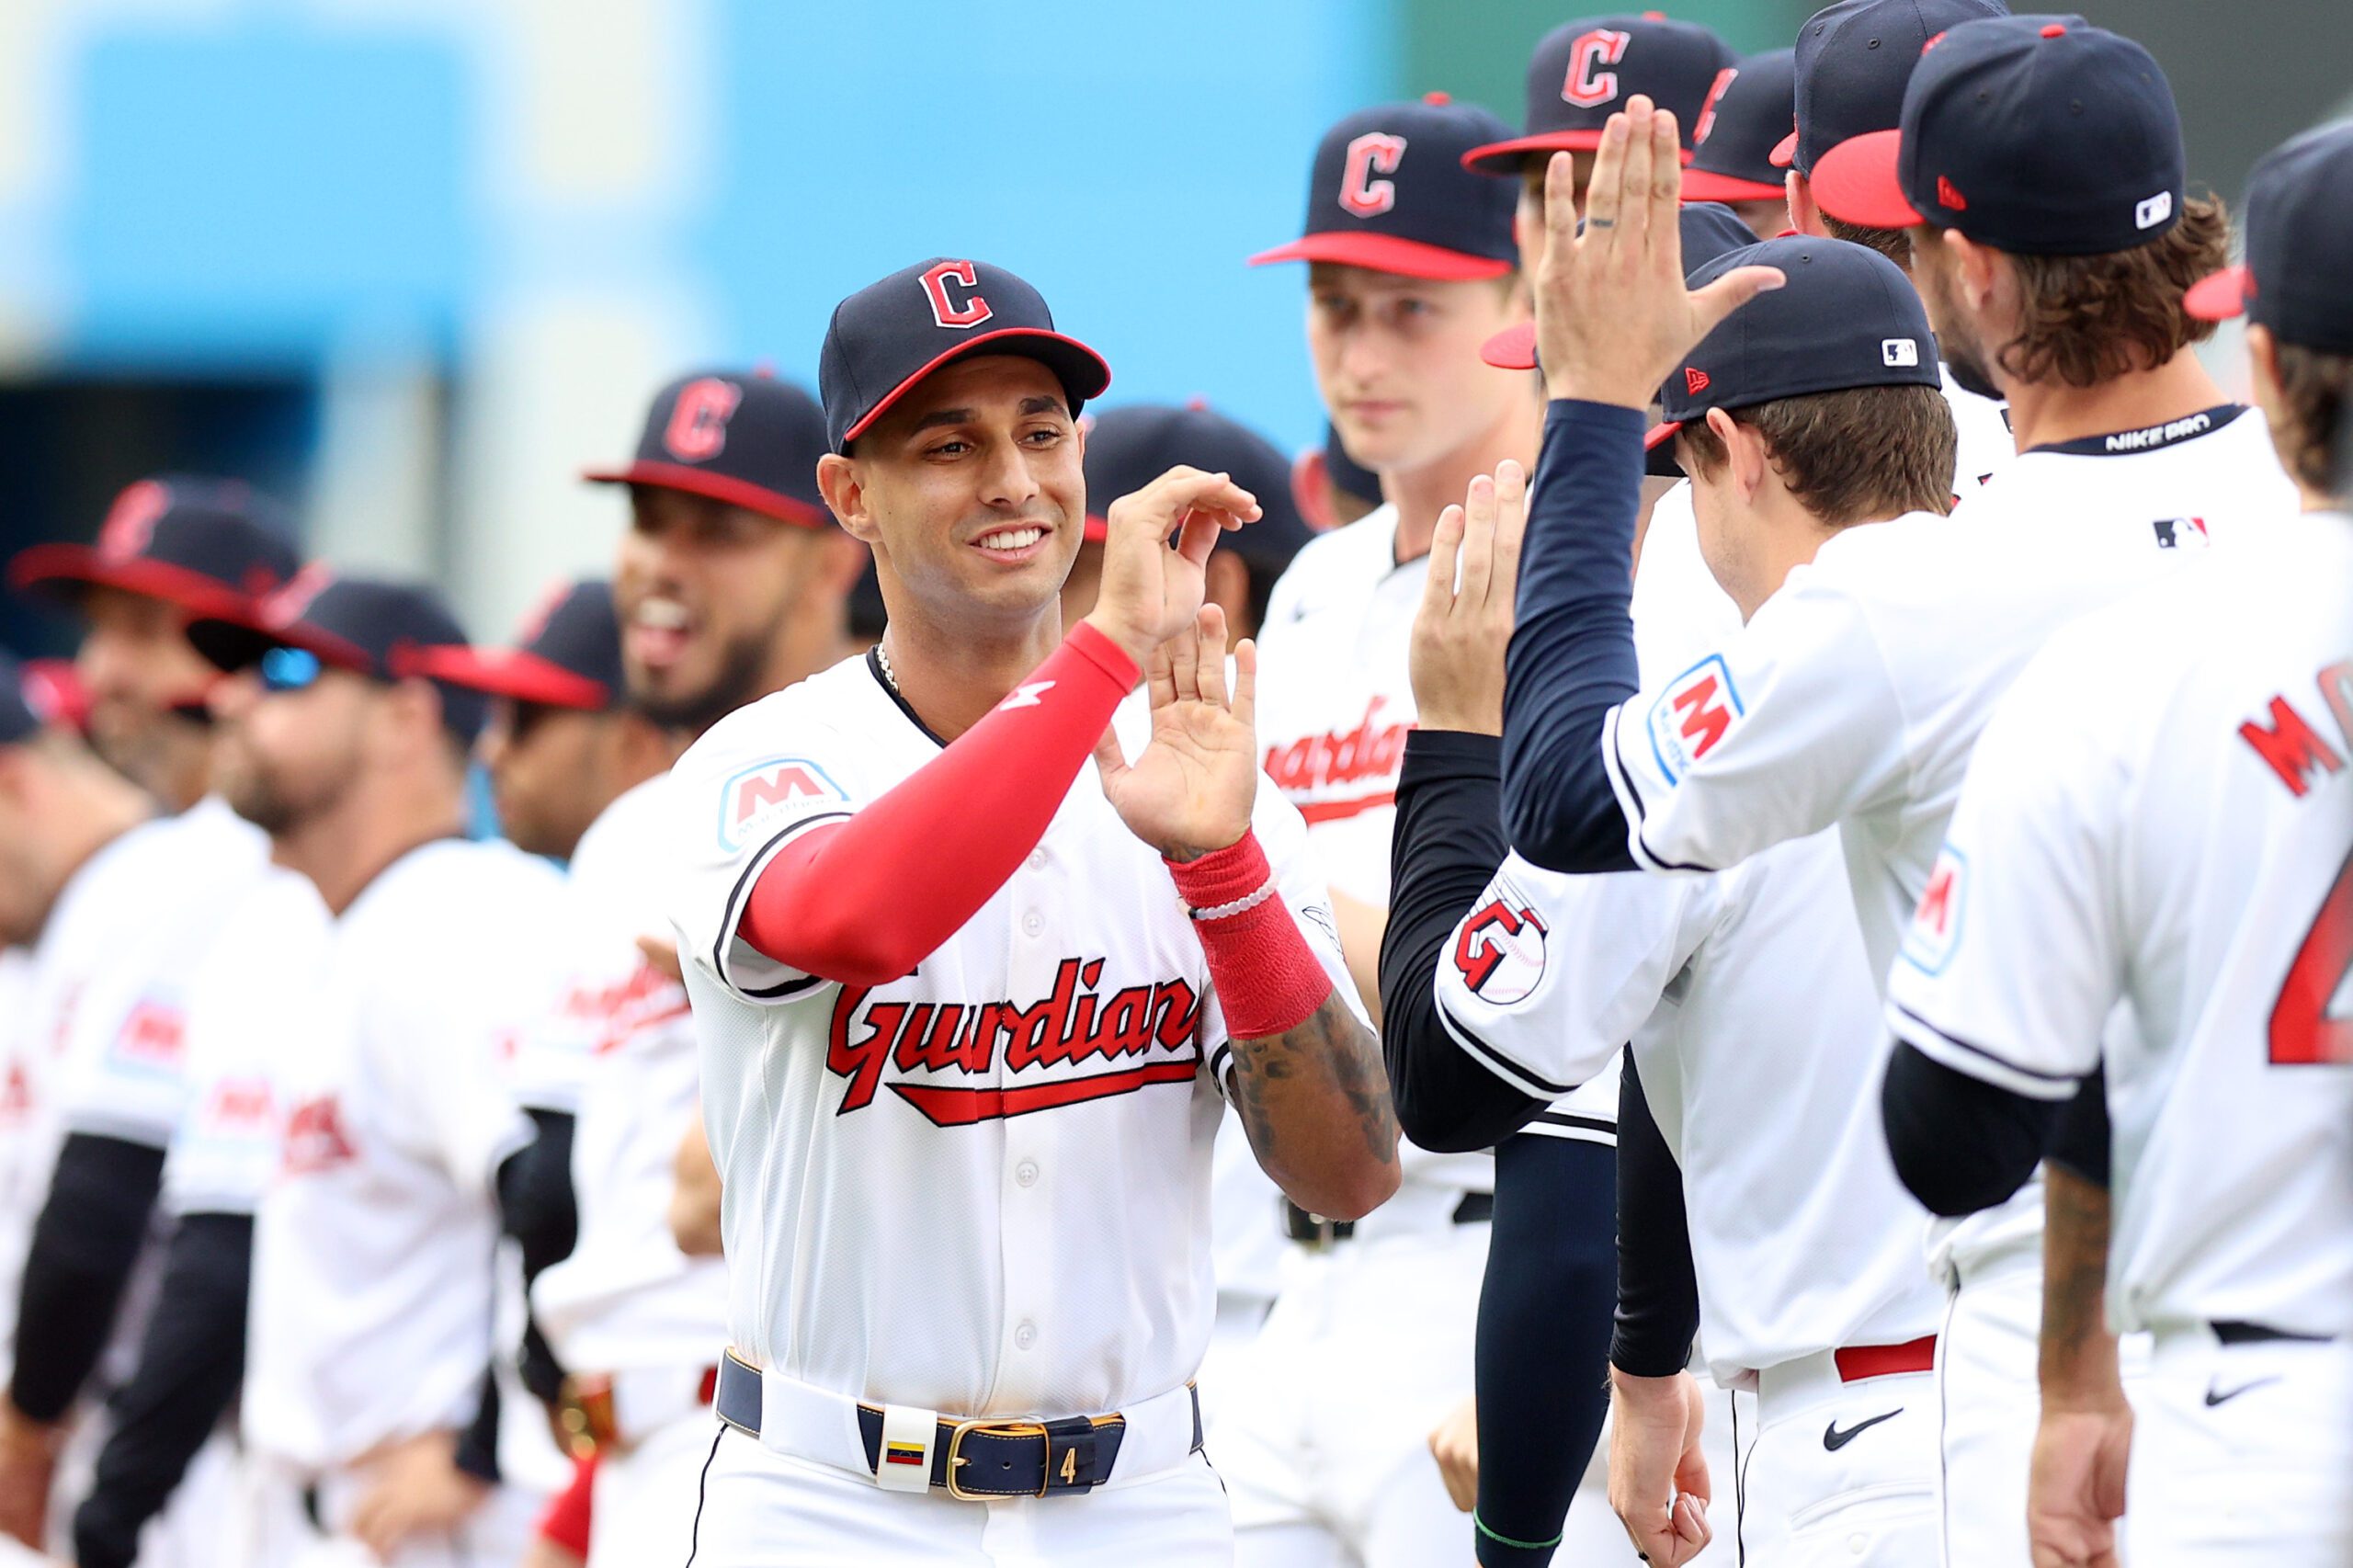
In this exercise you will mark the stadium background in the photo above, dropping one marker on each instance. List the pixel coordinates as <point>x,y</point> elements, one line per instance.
<point>408,264</point>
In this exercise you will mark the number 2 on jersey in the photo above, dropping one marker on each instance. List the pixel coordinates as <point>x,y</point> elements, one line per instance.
<point>2305,1033</point>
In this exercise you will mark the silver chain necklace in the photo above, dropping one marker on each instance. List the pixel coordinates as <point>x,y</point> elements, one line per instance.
<point>883,663</point>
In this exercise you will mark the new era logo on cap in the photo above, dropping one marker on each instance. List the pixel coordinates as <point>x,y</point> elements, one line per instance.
<point>1695,379</point>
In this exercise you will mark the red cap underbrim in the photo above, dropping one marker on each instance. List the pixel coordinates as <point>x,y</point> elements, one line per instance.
<point>718,487</point>
<point>1659,435</point>
<point>1504,159</point>
<point>57,567</point>
<point>1658,450</point>
<point>2222,295</point>
<point>1514,348</point>
<point>510,673</point>
<point>1784,152</point>
<point>1705,184</point>
<point>1084,372</point>
<point>1855,182</point>
<point>1386,253</point>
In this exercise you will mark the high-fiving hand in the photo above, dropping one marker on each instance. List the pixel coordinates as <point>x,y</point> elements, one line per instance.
<point>1190,790</point>
<point>1462,628</point>
<point>1612,315</point>
<point>1149,591</point>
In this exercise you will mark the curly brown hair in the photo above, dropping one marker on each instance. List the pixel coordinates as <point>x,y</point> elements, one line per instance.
<point>2317,443</point>
<point>2089,319</point>
<point>1848,456</point>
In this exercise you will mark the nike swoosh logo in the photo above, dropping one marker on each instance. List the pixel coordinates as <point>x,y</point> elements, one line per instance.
<point>2215,1396</point>
<point>1834,1439</point>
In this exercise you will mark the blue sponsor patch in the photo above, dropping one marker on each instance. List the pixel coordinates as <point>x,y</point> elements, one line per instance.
<point>769,792</point>
<point>1936,924</point>
<point>1692,716</point>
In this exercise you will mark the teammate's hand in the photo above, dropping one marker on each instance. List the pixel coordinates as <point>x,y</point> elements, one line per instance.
<point>415,1488</point>
<point>1454,1443</point>
<point>1612,315</point>
<point>2076,1489</point>
<point>1190,790</point>
<point>1149,591</point>
<point>28,1470</point>
<point>1460,631</point>
<point>1658,1478</point>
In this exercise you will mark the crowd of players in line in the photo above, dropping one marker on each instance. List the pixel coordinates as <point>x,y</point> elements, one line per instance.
<point>438,1279</point>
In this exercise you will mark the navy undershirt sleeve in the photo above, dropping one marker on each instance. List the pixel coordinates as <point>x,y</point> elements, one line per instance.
<point>1572,656</point>
<point>1960,1143</point>
<point>1658,1289</point>
<point>84,1244</point>
<point>1543,1341</point>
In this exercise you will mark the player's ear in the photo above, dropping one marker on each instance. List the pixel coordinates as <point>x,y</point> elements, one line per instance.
<point>842,482</point>
<point>1746,463</point>
<point>1805,213</point>
<point>1977,269</point>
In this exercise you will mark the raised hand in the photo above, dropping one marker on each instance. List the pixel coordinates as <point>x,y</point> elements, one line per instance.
<point>1460,630</point>
<point>1149,591</point>
<point>1612,315</point>
<point>1190,790</point>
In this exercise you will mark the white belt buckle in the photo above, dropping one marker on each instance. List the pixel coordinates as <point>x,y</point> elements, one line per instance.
<point>902,1462</point>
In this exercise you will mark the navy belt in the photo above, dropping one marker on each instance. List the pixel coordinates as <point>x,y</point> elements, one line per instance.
<point>2262,1334</point>
<point>973,1459</point>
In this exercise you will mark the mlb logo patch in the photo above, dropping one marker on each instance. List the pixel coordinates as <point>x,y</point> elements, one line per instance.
<point>768,794</point>
<point>2155,209</point>
<point>1693,715</point>
<point>1936,924</point>
<point>1899,353</point>
<point>2180,533</point>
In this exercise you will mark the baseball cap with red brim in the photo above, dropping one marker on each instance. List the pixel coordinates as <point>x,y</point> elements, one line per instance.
<point>1709,229</point>
<point>205,545</point>
<point>1854,60</point>
<point>1583,72</point>
<point>1388,192</point>
<point>2039,135</point>
<point>884,339</point>
<point>566,654</point>
<point>2299,227</point>
<point>738,436</point>
<point>1748,111</point>
<point>1129,448</point>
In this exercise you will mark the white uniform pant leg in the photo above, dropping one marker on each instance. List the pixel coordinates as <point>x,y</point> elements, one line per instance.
<point>1324,1438</point>
<point>278,1531</point>
<point>1869,1502</point>
<point>641,1511</point>
<point>1986,1376</point>
<point>2264,1476</point>
<point>759,1509</point>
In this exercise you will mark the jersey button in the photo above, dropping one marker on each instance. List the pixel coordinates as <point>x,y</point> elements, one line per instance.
<point>1033,923</point>
<point>1026,1173</point>
<point>1037,859</point>
<point>1025,1335</point>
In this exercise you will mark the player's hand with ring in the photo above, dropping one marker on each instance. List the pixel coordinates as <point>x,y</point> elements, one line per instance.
<point>1150,591</point>
<point>1190,790</point>
<point>1460,630</point>
<point>1612,315</point>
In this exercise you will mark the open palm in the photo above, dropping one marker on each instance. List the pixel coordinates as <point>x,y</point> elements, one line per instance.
<point>1190,790</point>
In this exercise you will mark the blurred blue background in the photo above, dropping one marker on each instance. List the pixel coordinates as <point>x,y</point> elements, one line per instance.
<point>410,264</point>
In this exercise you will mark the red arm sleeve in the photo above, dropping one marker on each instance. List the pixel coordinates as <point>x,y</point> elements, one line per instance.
<point>864,902</point>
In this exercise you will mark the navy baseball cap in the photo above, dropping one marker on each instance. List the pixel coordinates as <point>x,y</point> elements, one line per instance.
<point>1847,317</point>
<point>1710,229</point>
<point>1854,60</point>
<point>1129,448</point>
<point>567,653</point>
<point>741,437</point>
<point>1748,113</point>
<point>2041,135</point>
<point>1585,71</point>
<point>891,335</point>
<point>202,544</point>
<point>2298,226</point>
<point>1389,193</point>
<point>384,631</point>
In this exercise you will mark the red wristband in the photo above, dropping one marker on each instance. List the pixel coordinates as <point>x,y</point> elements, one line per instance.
<point>565,1523</point>
<point>1267,979</point>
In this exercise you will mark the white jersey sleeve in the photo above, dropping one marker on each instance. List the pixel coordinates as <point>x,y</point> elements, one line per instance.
<point>2018,890</point>
<point>1781,733</point>
<point>1549,974</point>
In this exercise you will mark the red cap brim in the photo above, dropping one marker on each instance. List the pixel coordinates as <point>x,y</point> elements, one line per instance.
<point>1503,159</point>
<point>1076,354</point>
<point>1659,435</point>
<point>1784,152</point>
<point>1855,182</point>
<point>2220,295</point>
<point>715,487</point>
<point>508,672</point>
<point>1514,348</point>
<point>1386,253</point>
<point>1705,184</point>
<point>55,565</point>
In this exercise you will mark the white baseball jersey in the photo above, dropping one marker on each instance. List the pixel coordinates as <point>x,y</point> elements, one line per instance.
<point>2160,816</point>
<point>373,1249</point>
<point>627,1296</point>
<point>984,1187</point>
<point>1982,427</point>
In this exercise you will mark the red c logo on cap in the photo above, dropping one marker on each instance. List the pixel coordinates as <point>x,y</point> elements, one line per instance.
<point>131,521</point>
<point>697,428</point>
<point>1707,120</point>
<point>1586,87</point>
<point>1373,152</point>
<point>945,310</point>
<point>289,604</point>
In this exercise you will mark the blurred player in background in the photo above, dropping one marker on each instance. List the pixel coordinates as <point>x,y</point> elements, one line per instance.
<point>1330,488</point>
<point>2178,845</point>
<point>1749,114</point>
